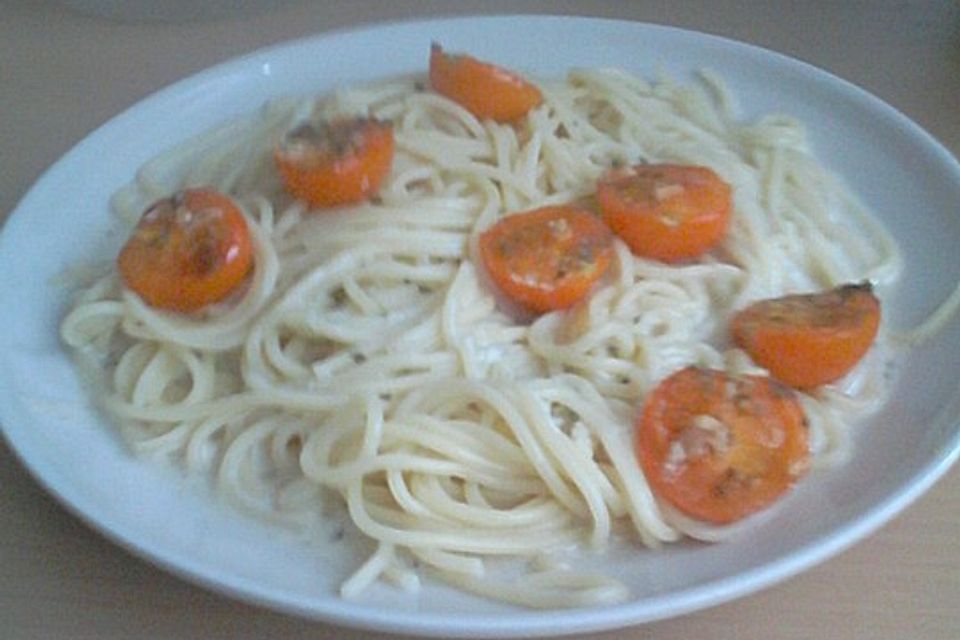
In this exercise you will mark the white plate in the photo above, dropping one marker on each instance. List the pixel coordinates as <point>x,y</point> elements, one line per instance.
<point>909,180</point>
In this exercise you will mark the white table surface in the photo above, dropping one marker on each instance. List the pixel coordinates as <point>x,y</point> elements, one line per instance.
<point>63,73</point>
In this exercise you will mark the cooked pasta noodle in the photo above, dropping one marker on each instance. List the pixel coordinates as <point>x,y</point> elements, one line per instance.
<point>369,362</point>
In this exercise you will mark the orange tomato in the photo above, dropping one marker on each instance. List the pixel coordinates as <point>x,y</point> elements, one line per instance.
<point>718,447</point>
<point>810,339</point>
<point>664,211</point>
<point>336,163</point>
<point>187,251</point>
<point>483,89</point>
<point>547,258</point>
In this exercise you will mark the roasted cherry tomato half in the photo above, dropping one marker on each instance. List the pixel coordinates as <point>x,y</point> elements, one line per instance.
<point>807,340</point>
<point>719,447</point>
<point>547,258</point>
<point>664,211</point>
<point>483,89</point>
<point>187,251</point>
<point>336,163</point>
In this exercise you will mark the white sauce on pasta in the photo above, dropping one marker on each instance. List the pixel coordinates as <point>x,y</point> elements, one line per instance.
<point>369,362</point>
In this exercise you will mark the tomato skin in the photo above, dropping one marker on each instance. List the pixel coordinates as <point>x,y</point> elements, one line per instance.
<point>483,89</point>
<point>187,251</point>
<point>666,212</point>
<point>719,447</point>
<point>336,163</point>
<point>807,340</point>
<point>547,258</point>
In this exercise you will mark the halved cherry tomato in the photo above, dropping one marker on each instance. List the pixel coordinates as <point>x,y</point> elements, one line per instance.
<point>336,163</point>
<point>547,258</point>
<point>811,339</point>
<point>483,89</point>
<point>187,251</point>
<point>718,447</point>
<point>664,211</point>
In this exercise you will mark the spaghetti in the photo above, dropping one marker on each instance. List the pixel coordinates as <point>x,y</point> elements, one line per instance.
<point>368,361</point>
